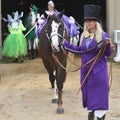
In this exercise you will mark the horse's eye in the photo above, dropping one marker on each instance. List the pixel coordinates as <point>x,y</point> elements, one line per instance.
<point>61,26</point>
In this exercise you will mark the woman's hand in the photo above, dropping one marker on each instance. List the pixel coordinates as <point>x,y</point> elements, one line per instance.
<point>63,41</point>
<point>113,48</point>
<point>109,41</point>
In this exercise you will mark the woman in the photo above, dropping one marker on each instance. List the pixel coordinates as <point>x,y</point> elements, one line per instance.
<point>51,7</point>
<point>96,87</point>
<point>15,45</point>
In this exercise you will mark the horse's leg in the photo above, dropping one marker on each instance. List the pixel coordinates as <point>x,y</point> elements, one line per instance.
<point>36,40</point>
<point>30,49</point>
<point>52,73</point>
<point>34,46</point>
<point>60,77</point>
<point>54,90</point>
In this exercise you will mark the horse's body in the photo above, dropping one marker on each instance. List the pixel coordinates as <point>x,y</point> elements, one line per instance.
<point>31,37</point>
<point>51,35</point>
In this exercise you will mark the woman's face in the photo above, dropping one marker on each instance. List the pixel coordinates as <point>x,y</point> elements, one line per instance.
<point>90,24</point>
<point>51,7</point>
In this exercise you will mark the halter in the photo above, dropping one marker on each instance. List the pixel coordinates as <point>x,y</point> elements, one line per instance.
<point>57,35</point>
<point>60,44</point>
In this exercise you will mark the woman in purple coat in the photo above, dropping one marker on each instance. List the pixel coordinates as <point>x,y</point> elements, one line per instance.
<point>95,90</point>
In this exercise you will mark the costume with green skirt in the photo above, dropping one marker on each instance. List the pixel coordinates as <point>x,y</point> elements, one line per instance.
<point>15,44</point>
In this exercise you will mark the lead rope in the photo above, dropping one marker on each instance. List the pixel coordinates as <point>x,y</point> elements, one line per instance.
<point>110,73</point>
<point>79,67</point>
<point>84,65</point>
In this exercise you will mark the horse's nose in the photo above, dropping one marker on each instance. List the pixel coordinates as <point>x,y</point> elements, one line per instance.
<point>56,48</point>
<point>55,42</point>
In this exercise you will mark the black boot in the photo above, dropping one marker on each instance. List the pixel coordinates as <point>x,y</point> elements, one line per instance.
<point>103,118</point>
<point>20,59</point>
<point>15,60</point>
<point>91,115</point>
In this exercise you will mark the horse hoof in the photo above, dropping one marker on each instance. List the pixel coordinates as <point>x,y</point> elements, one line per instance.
<point>60,111</point>
<point>54,100</point>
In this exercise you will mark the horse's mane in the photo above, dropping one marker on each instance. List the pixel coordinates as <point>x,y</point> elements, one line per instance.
<point>50,18</point>
<point>57,19</point>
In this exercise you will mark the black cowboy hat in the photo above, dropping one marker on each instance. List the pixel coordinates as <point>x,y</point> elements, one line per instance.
<point>92,12</point>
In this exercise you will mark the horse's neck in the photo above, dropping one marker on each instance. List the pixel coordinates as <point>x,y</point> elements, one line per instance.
<point>66,35</point>
<point>31,19</point>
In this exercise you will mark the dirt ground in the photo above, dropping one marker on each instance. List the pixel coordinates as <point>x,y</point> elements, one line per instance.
<point>25,94</point>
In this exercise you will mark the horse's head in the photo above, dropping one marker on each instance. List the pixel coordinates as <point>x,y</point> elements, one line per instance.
<point>56,31</point>
<point>32,17</point>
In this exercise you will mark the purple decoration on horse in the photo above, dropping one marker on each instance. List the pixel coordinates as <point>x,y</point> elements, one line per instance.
<point>71,27</point>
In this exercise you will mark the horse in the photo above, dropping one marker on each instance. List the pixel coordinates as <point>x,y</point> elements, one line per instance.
<point>50,49</point>
<point>30,23</point>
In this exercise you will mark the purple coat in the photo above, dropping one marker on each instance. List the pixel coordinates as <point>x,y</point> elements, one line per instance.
<point>96,88</point>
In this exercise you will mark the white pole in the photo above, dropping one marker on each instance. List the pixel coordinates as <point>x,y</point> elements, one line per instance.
<point>30,30</point>
<point>0,32</point>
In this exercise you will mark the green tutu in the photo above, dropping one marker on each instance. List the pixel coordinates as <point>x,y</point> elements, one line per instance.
<point>14,46</point>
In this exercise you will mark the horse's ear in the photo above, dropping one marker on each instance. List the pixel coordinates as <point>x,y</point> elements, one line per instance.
<point>61,14</point>
<point>45,14</point>
<point>48,18</point>
<point>30,8</point>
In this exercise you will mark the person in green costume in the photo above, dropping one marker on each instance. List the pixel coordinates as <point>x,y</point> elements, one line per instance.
<point>31,37</point>
<point>15,44</point>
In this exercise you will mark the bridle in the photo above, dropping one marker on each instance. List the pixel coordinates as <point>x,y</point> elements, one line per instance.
<point>57,35</point>
<point>62,37</point>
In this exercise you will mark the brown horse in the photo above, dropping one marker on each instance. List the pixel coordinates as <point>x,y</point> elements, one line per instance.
<point>50,39</point>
